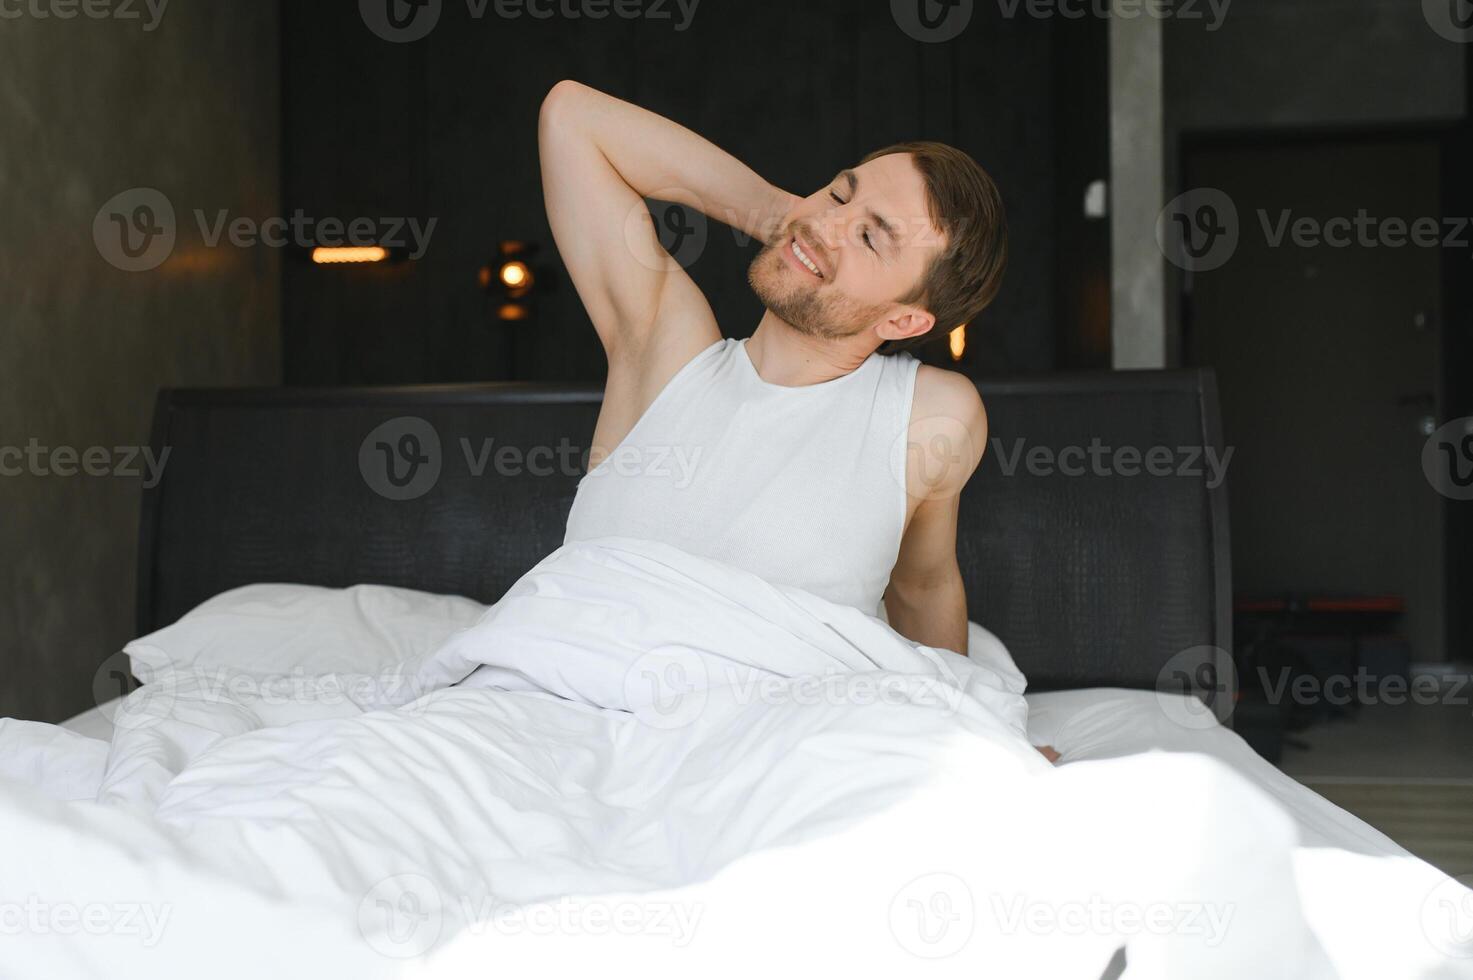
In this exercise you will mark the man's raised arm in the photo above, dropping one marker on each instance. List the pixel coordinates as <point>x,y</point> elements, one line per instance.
<point>600,157</point>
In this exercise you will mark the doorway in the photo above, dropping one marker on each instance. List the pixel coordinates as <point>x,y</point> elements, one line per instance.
<point>1324,327</point>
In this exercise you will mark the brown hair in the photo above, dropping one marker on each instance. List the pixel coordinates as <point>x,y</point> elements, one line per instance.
<point>967,208</point>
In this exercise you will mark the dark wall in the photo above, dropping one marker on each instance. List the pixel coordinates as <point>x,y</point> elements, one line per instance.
<point>1457,368</point>
<point>1274,69</point>
<point>444,127</point>
<point>1291,66</point>
<point>93,109</point>
<point>1081,110</point>
<point>1308,63</point>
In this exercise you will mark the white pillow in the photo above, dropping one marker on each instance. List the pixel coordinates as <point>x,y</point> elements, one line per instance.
<point>280,633</point>
<point>264,638</point>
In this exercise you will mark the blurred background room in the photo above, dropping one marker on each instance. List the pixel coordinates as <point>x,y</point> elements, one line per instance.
<point>208,193</point>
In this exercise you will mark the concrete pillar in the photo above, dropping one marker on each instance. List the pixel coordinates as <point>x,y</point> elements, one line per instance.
<point>1137,190</point>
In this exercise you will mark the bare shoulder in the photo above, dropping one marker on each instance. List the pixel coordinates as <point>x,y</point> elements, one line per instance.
<point>950,395</point>
<point>948,432</point>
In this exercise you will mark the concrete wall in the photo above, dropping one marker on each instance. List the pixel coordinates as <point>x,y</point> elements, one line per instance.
<point>1137,192</point>
<point>1272,63</point>
<point>186,103</point>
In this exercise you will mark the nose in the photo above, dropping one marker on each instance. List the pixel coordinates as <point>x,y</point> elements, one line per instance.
<point>830,228</point>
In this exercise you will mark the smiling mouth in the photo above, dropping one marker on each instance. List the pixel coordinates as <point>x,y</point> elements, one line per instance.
<point>803,259</point>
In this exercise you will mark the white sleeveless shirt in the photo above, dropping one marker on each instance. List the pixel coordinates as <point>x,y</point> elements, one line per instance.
<point>803,485</point>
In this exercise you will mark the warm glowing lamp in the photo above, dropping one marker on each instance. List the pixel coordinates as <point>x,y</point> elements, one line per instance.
<point>957,339</point>
<point>511,279</point>
<point>323,255</point>
<point>516,275</point>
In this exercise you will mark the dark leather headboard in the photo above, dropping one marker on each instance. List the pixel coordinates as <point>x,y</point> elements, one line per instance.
<point>1089,579</point>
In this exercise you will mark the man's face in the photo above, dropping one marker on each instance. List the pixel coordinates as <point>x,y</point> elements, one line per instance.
<point>862,241</point>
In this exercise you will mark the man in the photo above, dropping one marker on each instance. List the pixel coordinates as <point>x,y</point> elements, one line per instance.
<point>818,461</point>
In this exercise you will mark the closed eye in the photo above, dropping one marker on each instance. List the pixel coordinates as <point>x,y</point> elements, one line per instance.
<point>839,200</point>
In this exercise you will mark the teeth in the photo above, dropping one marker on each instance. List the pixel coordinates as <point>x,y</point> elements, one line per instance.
<point>807,262</point>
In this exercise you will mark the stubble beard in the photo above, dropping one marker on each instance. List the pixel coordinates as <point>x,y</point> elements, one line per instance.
<point>806,307</point>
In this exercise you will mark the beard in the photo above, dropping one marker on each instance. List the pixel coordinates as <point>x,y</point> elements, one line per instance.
<point>808,307</point>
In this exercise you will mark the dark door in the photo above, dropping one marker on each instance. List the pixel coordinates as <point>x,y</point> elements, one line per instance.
<point>1324,333</point>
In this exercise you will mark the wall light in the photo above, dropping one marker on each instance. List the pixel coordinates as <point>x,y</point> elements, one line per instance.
<point>511,278</point>
<point>958,342</point>
<point>323,255</point>
<point>516,275</point>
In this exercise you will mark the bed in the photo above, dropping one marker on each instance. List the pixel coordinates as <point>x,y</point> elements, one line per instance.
<point>1108,586</point>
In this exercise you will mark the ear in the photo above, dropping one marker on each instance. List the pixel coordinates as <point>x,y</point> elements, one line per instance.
<point>904,323</point>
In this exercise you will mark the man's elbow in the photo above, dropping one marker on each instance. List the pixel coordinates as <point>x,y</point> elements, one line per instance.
<point>925,588</point>
<point>914,585</point>
<point>560,106</point>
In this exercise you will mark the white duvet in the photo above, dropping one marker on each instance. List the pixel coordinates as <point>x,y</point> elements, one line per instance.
<point>640,762</point>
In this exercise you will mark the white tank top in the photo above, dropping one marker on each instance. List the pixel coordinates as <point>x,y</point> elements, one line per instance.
<point>802,485</point>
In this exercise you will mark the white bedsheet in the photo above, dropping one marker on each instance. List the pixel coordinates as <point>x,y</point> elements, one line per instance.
<point>892,819</point>
<point>1098,723</point>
